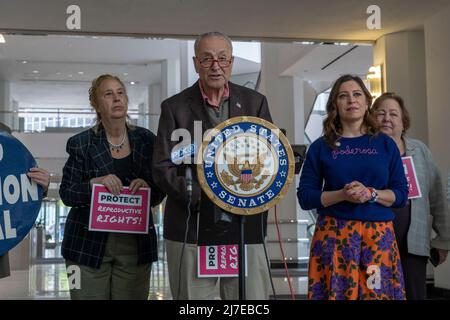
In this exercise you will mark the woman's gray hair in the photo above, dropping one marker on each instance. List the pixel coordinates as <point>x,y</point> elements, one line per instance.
<point>212,34</point>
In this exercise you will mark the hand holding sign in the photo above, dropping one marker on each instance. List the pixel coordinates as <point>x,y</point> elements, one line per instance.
<point>111,182</point>
<point>40,176</point>
<point>136,184</point>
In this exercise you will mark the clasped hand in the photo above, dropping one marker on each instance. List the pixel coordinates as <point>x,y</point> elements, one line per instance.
<point>356,192</point>
<point>115,186</point>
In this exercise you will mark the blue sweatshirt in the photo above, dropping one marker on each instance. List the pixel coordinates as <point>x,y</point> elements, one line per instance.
<point>372,160</point>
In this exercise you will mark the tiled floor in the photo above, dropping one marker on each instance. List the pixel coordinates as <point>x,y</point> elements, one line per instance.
<point>49,281</point>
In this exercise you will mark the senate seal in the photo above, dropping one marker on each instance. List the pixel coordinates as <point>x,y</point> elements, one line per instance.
<point>245,165</point>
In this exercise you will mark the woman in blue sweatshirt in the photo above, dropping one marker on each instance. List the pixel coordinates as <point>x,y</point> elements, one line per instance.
<point>353,175</point>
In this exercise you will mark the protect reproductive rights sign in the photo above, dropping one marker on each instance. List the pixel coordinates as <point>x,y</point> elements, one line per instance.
<point>125,213</point>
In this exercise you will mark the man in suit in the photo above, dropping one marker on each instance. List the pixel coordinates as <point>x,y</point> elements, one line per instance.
<point>211,100</point>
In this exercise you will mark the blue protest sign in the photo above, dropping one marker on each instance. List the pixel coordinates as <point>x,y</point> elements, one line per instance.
<point>20,198</point>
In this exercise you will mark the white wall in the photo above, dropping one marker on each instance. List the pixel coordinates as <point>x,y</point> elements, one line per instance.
<point>437,49</point>
<point>49,149</point>
<point>402,56</point>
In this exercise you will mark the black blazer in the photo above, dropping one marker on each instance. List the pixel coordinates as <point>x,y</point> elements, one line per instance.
<point>90,157</point>
<point>180,111</point>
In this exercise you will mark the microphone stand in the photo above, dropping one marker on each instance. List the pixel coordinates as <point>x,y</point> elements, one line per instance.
<point>189,183</point>
<point>241,261</point>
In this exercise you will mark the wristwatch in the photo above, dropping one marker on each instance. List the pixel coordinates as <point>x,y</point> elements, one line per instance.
<point>373,195</point>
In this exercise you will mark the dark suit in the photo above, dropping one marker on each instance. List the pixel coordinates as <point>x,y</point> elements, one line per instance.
<point>180,111</point>
<point>89,157</point>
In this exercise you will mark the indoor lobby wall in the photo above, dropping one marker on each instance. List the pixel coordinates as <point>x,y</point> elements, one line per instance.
<point>437,49</point>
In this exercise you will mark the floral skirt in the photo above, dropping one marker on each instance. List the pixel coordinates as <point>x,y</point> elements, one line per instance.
<point>354,260</point>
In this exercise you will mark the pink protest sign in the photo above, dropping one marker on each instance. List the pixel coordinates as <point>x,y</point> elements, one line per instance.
<point>411,177</point>
<point>125,213</point>
<point>219,261</point>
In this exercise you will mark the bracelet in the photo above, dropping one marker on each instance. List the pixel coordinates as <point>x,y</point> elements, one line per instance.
<point>373,195</point>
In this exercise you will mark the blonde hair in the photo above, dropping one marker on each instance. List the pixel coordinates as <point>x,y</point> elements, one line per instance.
<point>93,90</point>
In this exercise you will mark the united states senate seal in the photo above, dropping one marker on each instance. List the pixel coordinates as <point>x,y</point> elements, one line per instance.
<point>245,165</point>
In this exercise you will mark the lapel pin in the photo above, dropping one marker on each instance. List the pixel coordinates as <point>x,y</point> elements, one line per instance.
<point>238,105</point>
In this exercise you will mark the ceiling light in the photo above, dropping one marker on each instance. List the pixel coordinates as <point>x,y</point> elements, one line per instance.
<point>2,39</point>
<point>24,61</point>
<point>125,74</point>
<point>35,71</point>
<point>80,72</point>
<point>132,82</point>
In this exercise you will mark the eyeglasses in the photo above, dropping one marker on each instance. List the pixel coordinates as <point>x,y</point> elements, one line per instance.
<point>208,62</point>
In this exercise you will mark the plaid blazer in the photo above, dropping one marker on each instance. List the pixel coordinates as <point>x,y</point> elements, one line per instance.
<point>89,157</point>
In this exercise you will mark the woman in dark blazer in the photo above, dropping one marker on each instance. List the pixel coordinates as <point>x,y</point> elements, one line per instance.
<point>115,154</point>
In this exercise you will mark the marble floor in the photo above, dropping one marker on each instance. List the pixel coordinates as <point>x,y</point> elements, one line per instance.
<point>47,280</point>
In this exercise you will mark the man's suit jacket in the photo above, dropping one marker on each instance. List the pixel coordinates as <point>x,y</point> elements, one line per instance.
<point>4,259</point>
<point>180,111</point>
<point>89,157</point>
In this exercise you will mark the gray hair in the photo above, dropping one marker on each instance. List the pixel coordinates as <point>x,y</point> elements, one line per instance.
<point>212,34</point>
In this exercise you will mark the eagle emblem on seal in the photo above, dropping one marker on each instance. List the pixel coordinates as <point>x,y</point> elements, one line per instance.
<point>243,173</point>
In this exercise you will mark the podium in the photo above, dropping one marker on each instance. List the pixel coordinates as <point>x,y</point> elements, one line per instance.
<point>244,166</point>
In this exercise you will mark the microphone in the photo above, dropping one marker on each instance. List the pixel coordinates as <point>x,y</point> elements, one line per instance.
<point>184,154</point>
<point>189,183</point>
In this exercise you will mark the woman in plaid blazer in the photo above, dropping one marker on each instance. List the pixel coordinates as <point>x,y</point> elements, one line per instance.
<point>115,154</point>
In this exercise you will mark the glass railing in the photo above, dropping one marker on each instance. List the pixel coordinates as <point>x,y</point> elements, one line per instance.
<point>55,120</point>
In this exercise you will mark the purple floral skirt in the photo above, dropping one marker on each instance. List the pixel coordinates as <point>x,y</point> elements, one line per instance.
<point>354,260</point>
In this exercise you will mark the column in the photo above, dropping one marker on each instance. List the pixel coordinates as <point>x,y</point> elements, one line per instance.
<point>154,103</point>
<point>5,104</point>
<point>402,56</point>
<point>437,48</point>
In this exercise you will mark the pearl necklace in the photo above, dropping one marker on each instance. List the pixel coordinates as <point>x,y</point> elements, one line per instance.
<point>117,147</point>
